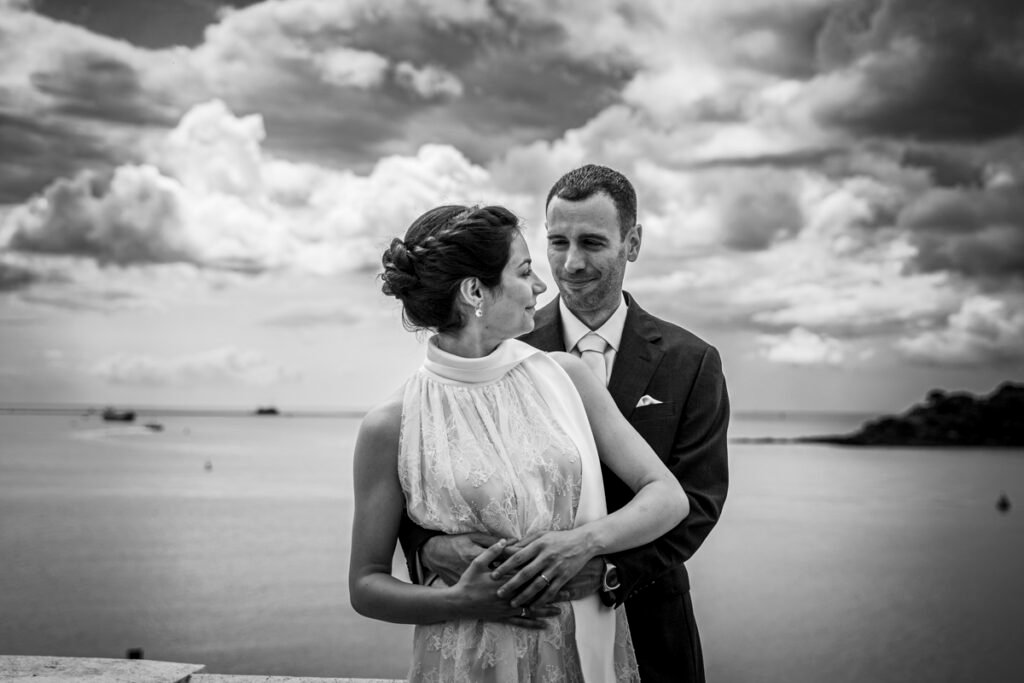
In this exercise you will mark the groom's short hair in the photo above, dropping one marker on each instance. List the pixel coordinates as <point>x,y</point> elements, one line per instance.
<point>584,182</point>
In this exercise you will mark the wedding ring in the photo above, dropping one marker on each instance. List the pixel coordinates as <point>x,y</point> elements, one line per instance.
<point>525,613</point>
<point>546,579</point>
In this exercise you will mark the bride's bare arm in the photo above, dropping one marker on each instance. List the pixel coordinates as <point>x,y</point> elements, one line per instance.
<point>379,502</point>
<point>659,503</point>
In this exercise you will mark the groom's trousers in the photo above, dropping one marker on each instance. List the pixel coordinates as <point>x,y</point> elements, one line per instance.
<point>659,619</point>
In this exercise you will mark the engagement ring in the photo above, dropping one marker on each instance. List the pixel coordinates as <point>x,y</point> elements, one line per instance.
<point>546,579</point>
<point>525,613</point>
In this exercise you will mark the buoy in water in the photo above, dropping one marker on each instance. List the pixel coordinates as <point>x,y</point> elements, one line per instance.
<point>1003,503</point>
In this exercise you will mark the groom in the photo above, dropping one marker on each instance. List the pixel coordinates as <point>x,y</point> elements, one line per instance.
<point>669,385</point>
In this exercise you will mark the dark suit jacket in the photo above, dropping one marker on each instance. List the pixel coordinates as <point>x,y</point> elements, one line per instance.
<point>687,430</point>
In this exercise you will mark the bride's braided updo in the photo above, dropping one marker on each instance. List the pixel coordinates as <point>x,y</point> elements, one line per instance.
<point>442,248</point>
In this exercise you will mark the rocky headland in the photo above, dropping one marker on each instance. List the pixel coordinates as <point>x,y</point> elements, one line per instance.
<point>944,419</point>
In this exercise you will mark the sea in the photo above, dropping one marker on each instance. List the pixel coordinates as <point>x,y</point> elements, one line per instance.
<point>223,540</point>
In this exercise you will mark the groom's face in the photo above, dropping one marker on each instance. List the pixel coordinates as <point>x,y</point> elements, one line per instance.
<point>588,254</point>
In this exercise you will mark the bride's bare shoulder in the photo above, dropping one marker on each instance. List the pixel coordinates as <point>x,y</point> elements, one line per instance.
<point>383,422</point>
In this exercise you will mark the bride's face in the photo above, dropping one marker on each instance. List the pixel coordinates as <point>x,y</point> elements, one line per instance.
<point>509,309</point>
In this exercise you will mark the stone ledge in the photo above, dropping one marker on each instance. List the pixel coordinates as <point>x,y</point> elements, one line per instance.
<point>98,670</point>
<point>229,678</point>
<point>93,670</point>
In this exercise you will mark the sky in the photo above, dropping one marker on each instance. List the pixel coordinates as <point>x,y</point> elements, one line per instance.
<point>194,195</point>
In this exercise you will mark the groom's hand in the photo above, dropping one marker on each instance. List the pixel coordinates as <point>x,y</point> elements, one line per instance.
<point>449,556</point>
<point>586,582</point>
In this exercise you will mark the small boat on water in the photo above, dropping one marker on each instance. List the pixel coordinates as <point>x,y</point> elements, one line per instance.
<point>267,410</point>
<point>115,415</point>
<point>154,426</point>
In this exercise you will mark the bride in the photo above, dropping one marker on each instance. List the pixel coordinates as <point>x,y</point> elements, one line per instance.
<point>494,436</point>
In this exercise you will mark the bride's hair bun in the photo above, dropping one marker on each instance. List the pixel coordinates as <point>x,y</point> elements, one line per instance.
<point>399,274</point>
<point>442,248</point>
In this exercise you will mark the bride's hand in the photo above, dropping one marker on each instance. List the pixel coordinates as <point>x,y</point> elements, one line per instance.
<point>478,594</point>
<point>539,569</point>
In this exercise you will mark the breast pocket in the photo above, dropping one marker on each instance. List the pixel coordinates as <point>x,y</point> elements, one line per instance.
<point>655,411</point>
<point>657,425</point>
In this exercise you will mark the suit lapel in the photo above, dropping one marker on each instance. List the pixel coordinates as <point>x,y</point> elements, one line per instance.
<point>636,360</point>
<point>547,330</point>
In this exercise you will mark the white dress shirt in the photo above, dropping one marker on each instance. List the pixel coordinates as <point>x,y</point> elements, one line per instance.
<point>573,330</point>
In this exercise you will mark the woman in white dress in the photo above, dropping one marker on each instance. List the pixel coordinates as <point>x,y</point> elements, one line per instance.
<point>491,435</point>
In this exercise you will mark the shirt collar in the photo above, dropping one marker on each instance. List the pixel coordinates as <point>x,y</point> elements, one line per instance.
<point>573,328</point>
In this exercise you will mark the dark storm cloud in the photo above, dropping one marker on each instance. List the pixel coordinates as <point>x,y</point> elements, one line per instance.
<point>14,277</point>
<point>151,24</point>
<point>73,102</point>
<point>975,232</point>
<point>351,131</point>
<point>945,168</point>
<point>927,69</point>
<point>753,222</point>
<point>89,85</point>
<point>18,276</point>
<point>38,149</point>
<point>509,64</point>
<point>519,80</point>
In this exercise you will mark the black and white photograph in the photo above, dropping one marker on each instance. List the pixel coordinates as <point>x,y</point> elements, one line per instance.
<point>512,341</point>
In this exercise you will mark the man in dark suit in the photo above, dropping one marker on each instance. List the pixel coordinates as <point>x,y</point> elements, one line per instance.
<point>669,385</point>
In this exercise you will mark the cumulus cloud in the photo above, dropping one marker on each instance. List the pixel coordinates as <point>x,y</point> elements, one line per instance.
<point>852,309</point>
<point>135,217</point>
<point>984,330</point>
<point>219,202</point>
<point>344,67</point>
<point>344,82</point>
<point>227,364</point>
<point>770,147</point>
<point>802,347</point>
<point>428,81</point>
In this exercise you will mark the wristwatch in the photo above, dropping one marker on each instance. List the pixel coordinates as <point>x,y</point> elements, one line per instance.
<point>609,583</point>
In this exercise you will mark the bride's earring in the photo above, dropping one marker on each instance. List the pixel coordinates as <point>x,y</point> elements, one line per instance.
<point>479,312</point>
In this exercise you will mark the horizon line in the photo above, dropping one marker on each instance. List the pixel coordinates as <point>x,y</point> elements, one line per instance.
<point>310,411</point>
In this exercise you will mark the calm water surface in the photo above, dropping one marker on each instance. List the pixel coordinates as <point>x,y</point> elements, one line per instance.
<point>829,564</point>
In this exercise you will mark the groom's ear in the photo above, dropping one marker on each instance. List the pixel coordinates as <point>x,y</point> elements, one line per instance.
<point>633,239</point>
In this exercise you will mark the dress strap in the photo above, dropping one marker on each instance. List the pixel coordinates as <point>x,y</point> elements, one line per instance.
<point>595,623</point>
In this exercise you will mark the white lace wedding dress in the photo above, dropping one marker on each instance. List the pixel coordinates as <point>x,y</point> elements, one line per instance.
<point>501,445</point>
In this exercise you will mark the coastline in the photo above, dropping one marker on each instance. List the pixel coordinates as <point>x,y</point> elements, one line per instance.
<point>955,420</point>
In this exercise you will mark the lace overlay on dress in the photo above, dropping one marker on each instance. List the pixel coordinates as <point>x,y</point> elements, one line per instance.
<point>489,456</point>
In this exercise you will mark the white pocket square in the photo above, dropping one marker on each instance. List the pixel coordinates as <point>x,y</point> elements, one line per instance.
<point>647,400</point>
